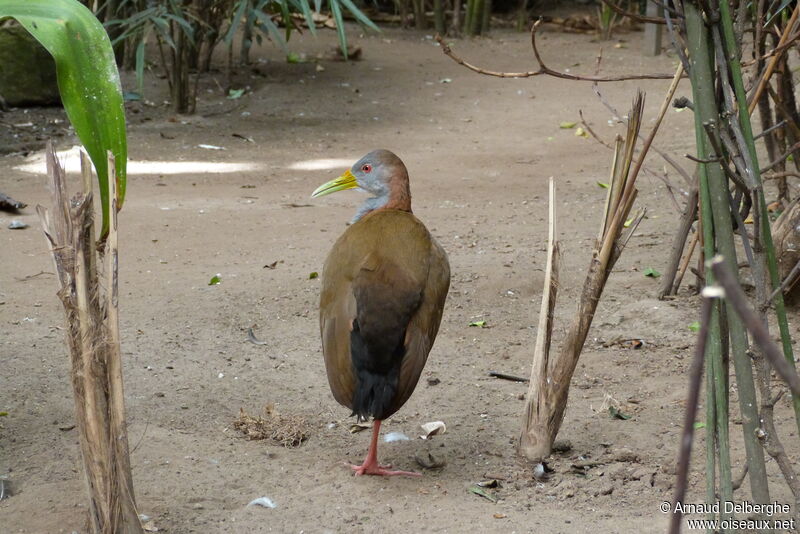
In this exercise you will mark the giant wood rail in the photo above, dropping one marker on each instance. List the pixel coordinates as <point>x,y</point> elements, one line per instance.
<point>384,284</point>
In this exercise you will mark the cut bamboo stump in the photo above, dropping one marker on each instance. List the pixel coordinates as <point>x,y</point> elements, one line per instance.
<point>548,391</point>
<point>90,304</point>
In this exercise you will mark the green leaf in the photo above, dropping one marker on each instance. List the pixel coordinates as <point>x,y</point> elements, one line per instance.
<point>272,30</point>
<point>238,16</point>
<point>479,324</point>
<point>337,17</point>
<point>477,490</point>
<point>233,94</point>
<point>358,14</point>
<point>698,425</point>
<point>140,66</point>
<point>616,414</point>
<point>603,185</point>
<point>3,414</point>
<point>305,7</point>
<point>652,273</point>
<point>293,58</point>
<point>87,79</point>
<point>216,279</point>
<point>695,326</point>
<point>288,24</point>
<point>313,275</point>
<point>567,125</point>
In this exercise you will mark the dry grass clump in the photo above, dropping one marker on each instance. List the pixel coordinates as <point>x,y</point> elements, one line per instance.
<point>288,430</point>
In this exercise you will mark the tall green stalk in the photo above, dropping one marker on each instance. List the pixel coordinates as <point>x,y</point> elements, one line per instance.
<point>731,50</point>
<point>702,68</point>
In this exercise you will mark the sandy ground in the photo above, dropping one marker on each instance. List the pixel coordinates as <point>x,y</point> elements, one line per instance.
<point>479,151</point>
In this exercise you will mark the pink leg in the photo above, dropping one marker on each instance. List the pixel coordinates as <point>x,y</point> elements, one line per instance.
<point>371,465</point>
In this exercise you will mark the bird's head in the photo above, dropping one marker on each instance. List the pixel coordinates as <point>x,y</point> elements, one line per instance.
<point>381,174</point>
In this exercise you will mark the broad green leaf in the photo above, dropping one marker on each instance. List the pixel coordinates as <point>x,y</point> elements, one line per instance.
<point>567,125</point>
<point>313,275</point>
<point>603,185</point>
<point>479,324</point>
<point>695,326</point>
<point>216,279</point>
<point>698,425</point>
<point>87,79</point>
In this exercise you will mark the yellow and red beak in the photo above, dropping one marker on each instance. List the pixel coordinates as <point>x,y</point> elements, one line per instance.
<point>345,181</point>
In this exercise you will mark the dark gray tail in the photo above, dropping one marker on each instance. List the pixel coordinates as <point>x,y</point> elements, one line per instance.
<point>377,366</point>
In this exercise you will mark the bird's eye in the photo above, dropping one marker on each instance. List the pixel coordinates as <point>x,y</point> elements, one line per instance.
<point>366,167</point>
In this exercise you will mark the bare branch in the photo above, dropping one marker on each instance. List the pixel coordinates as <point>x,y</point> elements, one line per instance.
<point>544,69</point>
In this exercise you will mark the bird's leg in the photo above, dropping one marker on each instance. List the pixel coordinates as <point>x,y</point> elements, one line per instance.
<point>371,465</point>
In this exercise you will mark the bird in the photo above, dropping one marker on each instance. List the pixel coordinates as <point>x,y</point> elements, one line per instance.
<point>384,285</point>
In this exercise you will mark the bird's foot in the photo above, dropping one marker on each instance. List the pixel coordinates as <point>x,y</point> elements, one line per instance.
<point>374,468</point>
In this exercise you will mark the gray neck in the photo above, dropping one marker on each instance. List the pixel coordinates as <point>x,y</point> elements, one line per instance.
<point>368,205</point>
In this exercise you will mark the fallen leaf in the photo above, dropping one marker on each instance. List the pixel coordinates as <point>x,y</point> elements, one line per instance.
<point>699,425</point>
<point>312,275</point>
<point>477,490</point>
<point>499,516</point>
<point>603,185</point>
<point>216,279</point>
<point>695,326</point>
<point>358,427</point>
<point>271,265</point>
<point>233,94</point>
<point>652,273</point>
<point>615,413</point>
<point>433,428</point>
<point>480,324</point>
<point>566,125</point>
<point>580,132</point>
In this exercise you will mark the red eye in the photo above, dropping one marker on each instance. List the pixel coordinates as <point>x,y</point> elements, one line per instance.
<point>366,167</point>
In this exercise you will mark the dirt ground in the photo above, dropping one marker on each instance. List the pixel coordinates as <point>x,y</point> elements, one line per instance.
<point>479,152</point>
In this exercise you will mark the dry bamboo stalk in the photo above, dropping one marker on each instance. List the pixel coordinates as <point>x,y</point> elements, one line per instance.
<point>94,351</point>
<point>550,377</point>
<point>529,437</point>
<point>762,82</point>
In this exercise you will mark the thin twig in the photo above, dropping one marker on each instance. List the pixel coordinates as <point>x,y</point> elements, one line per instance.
<point>695,375</point>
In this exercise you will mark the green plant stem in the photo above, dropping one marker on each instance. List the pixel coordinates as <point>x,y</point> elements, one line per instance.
<point>701,62</point>
<point>731,50</point>
<point>716,349</point>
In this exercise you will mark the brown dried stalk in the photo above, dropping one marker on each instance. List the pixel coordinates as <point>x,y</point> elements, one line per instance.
<point>93,340</point>
<point>550,377</point>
